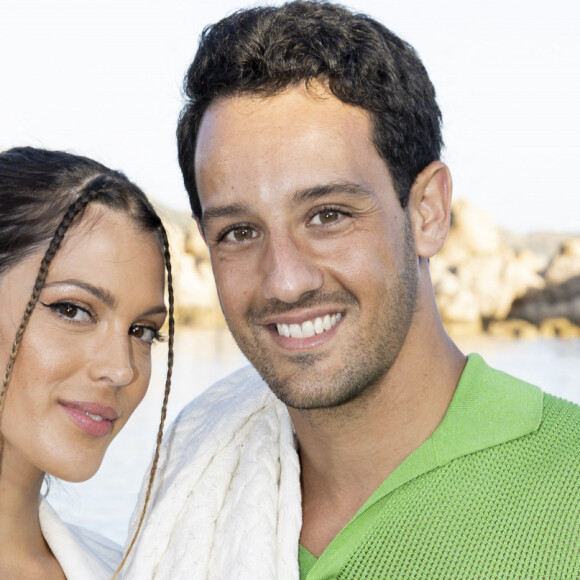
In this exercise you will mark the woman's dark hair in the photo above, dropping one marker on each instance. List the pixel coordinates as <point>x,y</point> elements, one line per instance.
<point>42,194</point>
<point>265,50</point>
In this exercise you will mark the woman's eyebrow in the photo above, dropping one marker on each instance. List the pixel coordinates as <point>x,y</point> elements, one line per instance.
<point>161,309</point>
<point>104,295</point>
<point>100,293</point>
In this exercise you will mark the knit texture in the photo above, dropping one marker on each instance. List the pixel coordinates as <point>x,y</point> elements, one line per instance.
<point>508,511</point>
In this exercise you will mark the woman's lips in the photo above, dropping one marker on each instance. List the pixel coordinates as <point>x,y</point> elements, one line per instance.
<point>93,418</point>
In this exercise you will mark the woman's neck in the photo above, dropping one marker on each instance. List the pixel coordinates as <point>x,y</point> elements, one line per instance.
<point>24,552</point>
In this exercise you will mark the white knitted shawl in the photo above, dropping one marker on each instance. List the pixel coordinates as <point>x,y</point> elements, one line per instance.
<point>82,554</point>
<point>226,503</point>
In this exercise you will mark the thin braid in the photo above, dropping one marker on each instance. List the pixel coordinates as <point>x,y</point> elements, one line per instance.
<point>170,357</point>
<point>92,190</point>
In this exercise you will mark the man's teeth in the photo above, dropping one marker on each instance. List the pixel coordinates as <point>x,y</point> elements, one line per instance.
<point>94,417</point>
<point>309,328</point>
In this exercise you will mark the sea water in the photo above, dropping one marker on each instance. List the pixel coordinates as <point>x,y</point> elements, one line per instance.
<point>105,502</point>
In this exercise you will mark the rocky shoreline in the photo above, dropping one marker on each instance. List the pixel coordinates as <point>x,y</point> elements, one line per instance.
<point>485,280</point>
<point>505,285</point>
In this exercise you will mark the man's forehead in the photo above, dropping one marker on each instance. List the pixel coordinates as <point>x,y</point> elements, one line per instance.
<point>240,132</point>
<point>297,101</point>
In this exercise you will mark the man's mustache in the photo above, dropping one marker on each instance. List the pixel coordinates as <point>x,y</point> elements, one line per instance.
<point>310,299</point>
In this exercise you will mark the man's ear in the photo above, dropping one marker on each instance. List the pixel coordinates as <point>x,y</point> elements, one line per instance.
<point>430,208</point>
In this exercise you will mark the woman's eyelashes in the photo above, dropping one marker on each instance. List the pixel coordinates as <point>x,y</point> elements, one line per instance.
<point>71,312</point>
<point>148,334</point>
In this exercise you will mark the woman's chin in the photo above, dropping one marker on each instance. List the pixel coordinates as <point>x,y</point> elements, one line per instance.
<point>74,473</point>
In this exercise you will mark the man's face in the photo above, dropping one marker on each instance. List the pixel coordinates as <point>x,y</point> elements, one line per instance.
<point>312,253</point>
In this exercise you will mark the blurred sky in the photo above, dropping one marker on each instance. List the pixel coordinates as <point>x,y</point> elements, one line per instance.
<point>103,78</point>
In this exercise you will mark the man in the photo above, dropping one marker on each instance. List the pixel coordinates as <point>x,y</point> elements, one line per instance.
<point>310,149</point>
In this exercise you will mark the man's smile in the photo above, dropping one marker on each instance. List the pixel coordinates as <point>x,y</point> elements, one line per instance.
<point>309,327</point>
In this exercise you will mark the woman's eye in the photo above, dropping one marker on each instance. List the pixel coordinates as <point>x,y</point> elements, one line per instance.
<point>326,216</point>
<point>145,333</point>
<point>70,311</point>
<point>240,234</point>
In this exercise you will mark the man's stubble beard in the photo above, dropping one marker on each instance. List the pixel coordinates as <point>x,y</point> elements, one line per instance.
<point>365,364</point>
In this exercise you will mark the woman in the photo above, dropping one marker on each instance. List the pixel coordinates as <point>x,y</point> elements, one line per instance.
<point>82,262</point>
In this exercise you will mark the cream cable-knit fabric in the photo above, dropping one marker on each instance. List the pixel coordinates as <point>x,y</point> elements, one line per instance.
<point>82,554</point>
<point>228,462</point>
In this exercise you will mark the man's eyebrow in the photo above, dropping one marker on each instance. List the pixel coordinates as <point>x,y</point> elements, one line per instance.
<point>223,211</point>
<point>318,191</point>
<point>302,195</point>
<point>100,293</point>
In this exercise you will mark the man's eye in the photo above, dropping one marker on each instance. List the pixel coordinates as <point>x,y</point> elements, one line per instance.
<point>326,216</point>
<point>240,234</point>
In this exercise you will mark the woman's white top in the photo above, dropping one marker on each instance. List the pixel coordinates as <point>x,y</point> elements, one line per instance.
<point>82,554</point>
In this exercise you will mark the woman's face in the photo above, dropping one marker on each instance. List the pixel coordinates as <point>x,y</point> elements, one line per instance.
<point>85,358</point>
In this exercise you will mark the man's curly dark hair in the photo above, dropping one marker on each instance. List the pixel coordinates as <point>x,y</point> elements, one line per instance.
<point>266,50</point>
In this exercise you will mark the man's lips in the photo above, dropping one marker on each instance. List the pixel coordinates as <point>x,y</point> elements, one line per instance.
<point>308,328</point>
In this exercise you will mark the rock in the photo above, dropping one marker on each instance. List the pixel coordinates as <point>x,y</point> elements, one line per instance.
<point>560,328</point>
<point>566,264</point>
<point>544,245</point>
<point>472,233</point>
<point>460,307</point>
<point>196,296</point>
<point>459,330</point>
<point>477,275</point>
<point>513,328</point>
<point>554,301</point>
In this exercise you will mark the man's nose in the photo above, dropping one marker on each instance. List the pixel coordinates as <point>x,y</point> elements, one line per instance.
<point>289,270</point>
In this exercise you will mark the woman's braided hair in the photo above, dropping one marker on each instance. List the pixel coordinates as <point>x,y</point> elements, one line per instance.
<point>40,188</point>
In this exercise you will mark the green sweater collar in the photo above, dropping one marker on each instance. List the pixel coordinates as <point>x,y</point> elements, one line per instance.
<point>488,408</point>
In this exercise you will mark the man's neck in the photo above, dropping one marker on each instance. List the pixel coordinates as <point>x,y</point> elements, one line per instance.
<point>346,453</point>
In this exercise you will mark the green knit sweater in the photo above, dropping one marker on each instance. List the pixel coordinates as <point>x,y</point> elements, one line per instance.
<point>493,493</point>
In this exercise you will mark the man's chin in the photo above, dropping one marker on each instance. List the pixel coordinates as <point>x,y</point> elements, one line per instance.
<point>308,393</point>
